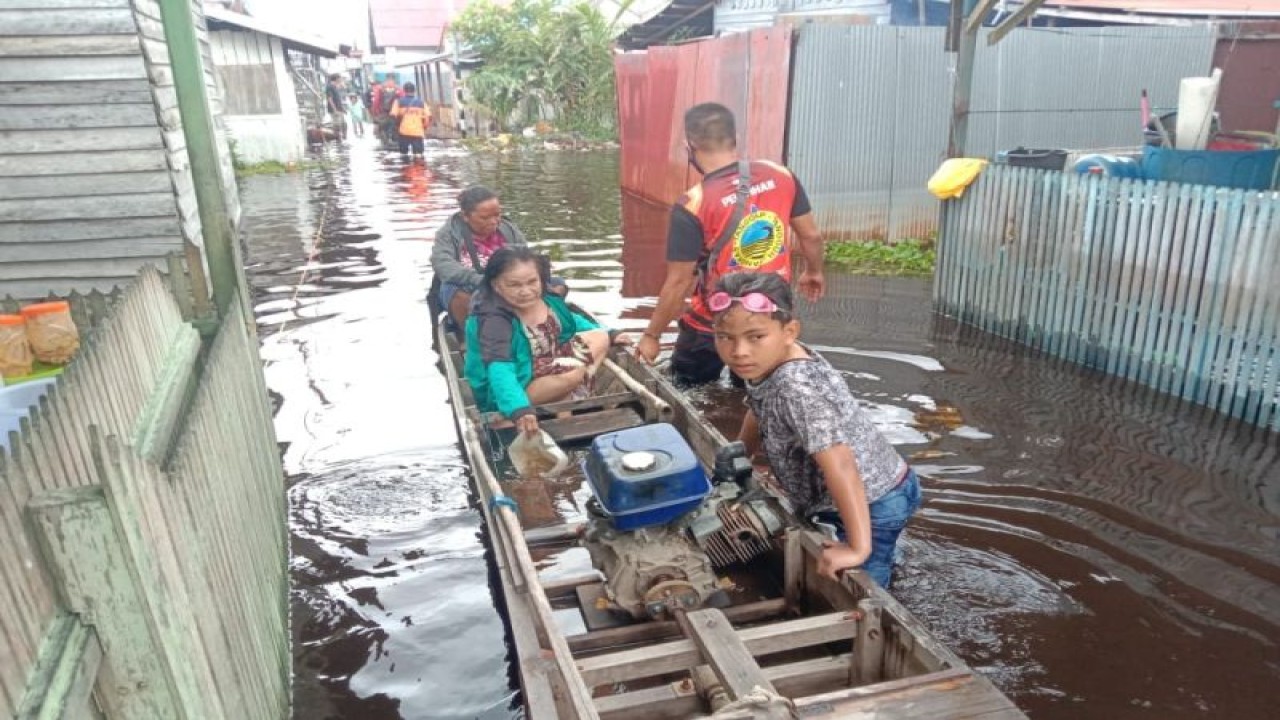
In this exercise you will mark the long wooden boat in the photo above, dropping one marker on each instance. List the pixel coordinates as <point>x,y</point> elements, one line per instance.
<point>796,644</point>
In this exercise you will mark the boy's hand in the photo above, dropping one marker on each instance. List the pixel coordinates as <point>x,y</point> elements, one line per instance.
<point>838,557</point>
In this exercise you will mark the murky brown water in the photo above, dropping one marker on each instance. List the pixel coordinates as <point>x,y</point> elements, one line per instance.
<point>1098,550</point>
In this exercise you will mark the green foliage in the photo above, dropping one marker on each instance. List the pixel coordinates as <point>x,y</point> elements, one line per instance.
<point>907,257</point>
<point>541,56</point>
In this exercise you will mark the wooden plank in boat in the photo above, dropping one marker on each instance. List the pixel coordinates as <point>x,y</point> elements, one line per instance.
<point>680,700</point>
<point>724,651</point>
<point>683,654</point>
<point>553,534</point>
<point>585,427</point>
<point>598,402</point>
<point>560,587</point>
<point>949,693</point>
<point>666,629</point>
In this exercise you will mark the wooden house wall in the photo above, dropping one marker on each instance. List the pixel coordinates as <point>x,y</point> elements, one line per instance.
<point>94,175</point>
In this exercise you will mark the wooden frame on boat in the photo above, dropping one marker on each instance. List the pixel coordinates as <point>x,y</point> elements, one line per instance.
<point>834,649</point>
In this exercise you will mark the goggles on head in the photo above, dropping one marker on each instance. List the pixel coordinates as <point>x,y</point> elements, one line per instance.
<point>751,302</point>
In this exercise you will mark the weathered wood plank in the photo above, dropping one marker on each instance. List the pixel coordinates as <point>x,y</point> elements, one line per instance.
<point>947,695</point>
<point>56,69</point>
<point>74,230</point>
<point>93,570</point>
<point>21,117</point>
<point>74,269</point>
<point>582,427</point>
<point>725,652</point>
<point>50,186</point>
<point>683,654</point>
<point>868,650</point>
<point>61,4</point>
<point>78,21</point>
<point>667,629</point>
<point>678,700</point>
<point>68,141</point>
<point>91,92</point>
<point>61,45</point>
<point>145,248</point>
<point>103,207</point>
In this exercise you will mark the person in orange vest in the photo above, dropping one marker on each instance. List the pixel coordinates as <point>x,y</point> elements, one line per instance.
<point>745,216</point>
<point>412,117</point>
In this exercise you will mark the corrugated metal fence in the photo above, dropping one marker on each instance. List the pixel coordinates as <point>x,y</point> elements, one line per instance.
<point>747,72</point>
<point>143,549</point>
<point>870,108</point>
<point>1173,286</point>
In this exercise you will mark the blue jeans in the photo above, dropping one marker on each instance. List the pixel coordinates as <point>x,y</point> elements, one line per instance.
<point>889,515</point>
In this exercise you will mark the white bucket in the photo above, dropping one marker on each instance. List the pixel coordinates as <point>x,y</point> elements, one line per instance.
<point>1197,97</point>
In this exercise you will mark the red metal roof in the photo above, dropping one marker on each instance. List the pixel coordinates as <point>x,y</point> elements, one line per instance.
<point>411,23</point>
<point>1219,8</point>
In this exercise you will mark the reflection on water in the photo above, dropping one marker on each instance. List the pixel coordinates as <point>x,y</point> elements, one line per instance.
<point>1098,550</point>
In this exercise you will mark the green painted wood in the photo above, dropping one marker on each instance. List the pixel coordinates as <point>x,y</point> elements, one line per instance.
<point>158,422</point>
<point>96,579</point>
<point>61,687</point>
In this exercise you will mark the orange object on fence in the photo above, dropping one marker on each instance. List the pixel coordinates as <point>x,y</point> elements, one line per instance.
<point>15,351</point>
<point>51,332</point>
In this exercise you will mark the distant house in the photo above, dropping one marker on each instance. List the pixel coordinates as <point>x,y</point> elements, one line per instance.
<point>408,31</point>
<point>271,85</point>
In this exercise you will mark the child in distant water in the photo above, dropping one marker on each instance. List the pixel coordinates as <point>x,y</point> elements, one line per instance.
<point>826,455</point>
<point>358,114</point>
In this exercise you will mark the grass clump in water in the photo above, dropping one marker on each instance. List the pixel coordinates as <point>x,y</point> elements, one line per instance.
<point>907,257</point>
<point>272,167</point>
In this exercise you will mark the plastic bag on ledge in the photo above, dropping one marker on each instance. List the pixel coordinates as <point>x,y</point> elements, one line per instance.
<point>537,455</point>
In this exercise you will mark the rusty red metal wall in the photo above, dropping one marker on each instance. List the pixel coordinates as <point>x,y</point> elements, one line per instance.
<point>748,72</point>
<point>1249,55</point>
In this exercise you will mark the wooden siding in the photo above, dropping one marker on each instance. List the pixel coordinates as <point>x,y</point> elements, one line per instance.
<point>246,71</point>
<point>134,512</point>
<point>94,175</point>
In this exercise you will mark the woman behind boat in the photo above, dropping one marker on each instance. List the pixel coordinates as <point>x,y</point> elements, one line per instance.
<point>463,247</point>
<point>525,346</point>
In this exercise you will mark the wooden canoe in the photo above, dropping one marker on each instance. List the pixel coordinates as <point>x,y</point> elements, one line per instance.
<point>832,649</point>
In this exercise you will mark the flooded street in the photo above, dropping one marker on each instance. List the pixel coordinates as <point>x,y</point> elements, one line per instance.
<point>1096,549</point>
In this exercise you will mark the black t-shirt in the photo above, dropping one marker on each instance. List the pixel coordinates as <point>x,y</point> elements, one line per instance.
<point>684,233</point>
<point>336,102</point>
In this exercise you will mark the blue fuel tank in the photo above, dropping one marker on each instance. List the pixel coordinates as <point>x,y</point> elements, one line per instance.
<point>645,476</point>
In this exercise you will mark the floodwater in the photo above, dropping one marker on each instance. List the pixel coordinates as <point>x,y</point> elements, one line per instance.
<point>1096,549</point>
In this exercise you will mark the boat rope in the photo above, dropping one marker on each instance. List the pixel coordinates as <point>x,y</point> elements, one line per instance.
<point>504,501</point>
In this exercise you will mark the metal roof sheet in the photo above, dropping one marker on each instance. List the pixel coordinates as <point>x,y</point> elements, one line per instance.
<point>411,23</point>
<point>312,44</point>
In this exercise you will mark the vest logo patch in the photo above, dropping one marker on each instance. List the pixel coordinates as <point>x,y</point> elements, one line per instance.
<point>758,240</point>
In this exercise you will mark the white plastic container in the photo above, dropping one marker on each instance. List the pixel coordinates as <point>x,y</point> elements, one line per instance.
<point>16,402</point>
<point>1197,97</point>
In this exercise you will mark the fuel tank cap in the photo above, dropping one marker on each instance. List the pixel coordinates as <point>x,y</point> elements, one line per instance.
<point>639,461</point>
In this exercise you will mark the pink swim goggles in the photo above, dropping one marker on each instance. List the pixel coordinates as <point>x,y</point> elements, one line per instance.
<point>751,302</point>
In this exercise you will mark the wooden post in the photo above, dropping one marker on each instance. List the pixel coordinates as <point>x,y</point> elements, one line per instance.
<point>95,579</point>
<point>868,648</point>
<point>725,652</point>
<point>197,128</point>
<point>793,562</point>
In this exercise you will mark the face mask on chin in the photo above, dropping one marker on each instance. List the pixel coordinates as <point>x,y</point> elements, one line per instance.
<point>693,159</point>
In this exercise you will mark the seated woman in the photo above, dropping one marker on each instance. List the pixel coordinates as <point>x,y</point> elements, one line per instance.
<point>525,347</point>
<point>463,246</point>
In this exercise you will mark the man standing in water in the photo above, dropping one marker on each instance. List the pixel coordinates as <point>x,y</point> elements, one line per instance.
<point>335,96</point>
<point>741,218</point>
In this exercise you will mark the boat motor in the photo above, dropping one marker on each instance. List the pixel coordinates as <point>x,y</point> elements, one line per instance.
<point>657,528</point>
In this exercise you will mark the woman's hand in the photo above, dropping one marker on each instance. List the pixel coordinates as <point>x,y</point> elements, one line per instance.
<point>527,424</point>
<point>838,557</point>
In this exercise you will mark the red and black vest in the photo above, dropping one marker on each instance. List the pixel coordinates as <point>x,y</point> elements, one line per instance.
<point>760,243</point>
